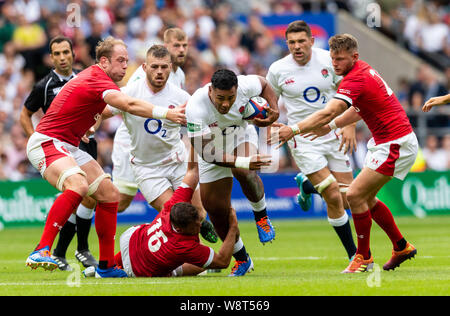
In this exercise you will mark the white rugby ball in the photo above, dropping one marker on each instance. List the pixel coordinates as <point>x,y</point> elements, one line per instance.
<point>254,108</point>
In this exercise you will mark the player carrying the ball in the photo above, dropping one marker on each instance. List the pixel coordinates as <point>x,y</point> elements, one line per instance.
<point>227,146</point>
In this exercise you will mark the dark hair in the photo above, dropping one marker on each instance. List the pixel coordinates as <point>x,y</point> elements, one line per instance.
<point>182,214</point>
<point>60,39</point>
<point>224,79</point>
<point>298,26</point>
<point>158,51</point>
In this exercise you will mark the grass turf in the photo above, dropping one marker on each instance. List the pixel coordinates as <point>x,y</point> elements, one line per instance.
<point>305,259</point>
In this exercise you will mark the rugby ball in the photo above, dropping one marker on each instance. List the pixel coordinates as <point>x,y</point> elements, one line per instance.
<point>254,108</point>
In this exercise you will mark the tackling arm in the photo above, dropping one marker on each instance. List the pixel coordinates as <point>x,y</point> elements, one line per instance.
<point>204,145</point>
<point>143,108</point>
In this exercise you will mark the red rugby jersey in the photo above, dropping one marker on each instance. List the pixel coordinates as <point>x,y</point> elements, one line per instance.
<point>156,249</point>
<point>365,90</point>
<point>77,106</point>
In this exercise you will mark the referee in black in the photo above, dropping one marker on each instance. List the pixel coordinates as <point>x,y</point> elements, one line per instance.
<point>42,95</point>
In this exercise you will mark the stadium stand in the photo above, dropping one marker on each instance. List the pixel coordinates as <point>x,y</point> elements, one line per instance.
<point>416,33</point>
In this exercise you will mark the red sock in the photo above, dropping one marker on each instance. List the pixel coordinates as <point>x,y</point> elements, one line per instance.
<point>363,224</point>
<point>58,215</point>
<point>105,225</point>
<point>383,217</point>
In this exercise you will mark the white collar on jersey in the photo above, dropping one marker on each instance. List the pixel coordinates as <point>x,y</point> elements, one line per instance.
<point>65,78</point>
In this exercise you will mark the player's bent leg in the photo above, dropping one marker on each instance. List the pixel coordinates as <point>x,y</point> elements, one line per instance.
<point>253,189</point>
<point>124,201</point>
<point>106,194</point>
<point>66,175</point>
<point>328,187</point>
<point>344,180</point>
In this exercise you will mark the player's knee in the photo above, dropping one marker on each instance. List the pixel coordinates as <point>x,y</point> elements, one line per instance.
<point>77,183</point>
<point>354,198</point>
<point>332,196</point>
<point>124,202</point>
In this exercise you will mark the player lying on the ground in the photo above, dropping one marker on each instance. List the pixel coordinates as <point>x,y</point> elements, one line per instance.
<point>170,245</point>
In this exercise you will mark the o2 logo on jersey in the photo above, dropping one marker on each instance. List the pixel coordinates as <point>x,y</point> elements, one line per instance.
<point>312,95</point>
<point>154,126</point>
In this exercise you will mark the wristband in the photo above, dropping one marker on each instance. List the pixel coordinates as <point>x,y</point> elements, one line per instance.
<point>242,162</point>
<point>159,112</point>
<point>295,129</point>
<point>332,125</point>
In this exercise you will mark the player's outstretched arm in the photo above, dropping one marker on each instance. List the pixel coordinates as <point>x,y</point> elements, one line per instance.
<point>191,178</point>
<point>143,108</point>
<point>222,259</point>
<point>441,100</point>
<point>315,121</point>
<point>272,110</point>
<point>204,146</point>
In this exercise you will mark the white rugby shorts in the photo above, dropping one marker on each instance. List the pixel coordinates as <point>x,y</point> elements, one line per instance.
<point>122,173</point>
<point>312,156</point>
<point>394,158</point>
<point>43,150</point>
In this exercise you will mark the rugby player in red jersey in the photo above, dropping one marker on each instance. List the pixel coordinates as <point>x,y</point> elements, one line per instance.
<point>391,152</point>
<point>53,150</point>
<point>170,245</point>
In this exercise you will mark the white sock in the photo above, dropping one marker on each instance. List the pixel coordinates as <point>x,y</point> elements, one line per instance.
<point>238,245</point>
<point>259,206</point>
<point>336,222</point>
<point>72,219</point>
<point>84,212</point>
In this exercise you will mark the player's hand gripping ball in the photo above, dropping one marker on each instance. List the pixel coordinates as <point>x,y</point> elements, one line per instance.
<point>254,108</point>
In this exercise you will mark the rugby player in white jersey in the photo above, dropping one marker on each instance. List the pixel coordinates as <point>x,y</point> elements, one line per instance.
<point>176,42</point>
<point>227,148</point>
<point>306,80</point>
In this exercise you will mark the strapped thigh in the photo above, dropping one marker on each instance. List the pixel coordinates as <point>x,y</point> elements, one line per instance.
<point>93,187</point>
<point>325,183</point>
<point>67,173</point>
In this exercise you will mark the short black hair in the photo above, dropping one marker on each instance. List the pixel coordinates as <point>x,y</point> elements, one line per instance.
<point>297,27</point>
<point>60,39</point>
<point>182,214</point>
<point>224,79</point>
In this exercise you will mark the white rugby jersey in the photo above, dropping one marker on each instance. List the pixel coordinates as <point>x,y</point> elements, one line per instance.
<point>203,118</point>
<point>122,135</point>
<point>304,89</point>
<point>153,141</point>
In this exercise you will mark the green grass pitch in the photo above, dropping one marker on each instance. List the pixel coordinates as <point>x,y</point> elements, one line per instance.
<point>305,259</point>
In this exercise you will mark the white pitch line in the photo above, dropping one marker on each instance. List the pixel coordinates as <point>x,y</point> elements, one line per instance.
<point>81,283</point>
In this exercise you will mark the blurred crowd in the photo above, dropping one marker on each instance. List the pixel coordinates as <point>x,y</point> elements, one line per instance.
<point>217,38</point>
<point>421,26</point>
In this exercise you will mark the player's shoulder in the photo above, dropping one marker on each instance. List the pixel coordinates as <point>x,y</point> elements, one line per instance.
<point>245,81</point>
<point>286,61</point>
<point>176,90</point>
